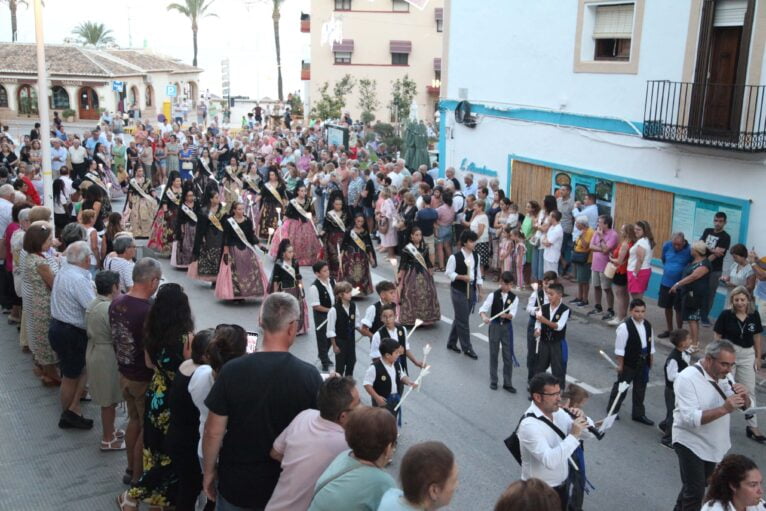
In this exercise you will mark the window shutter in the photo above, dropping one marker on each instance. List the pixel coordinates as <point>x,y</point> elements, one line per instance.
<point>614,22</point>
<point>730,13</point>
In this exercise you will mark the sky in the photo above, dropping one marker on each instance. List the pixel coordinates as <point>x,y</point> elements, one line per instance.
<point>243,32</point>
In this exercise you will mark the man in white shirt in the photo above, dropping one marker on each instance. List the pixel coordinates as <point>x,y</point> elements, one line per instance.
<point>552,242</point>
<point>396,176</point>
<point>321,298</point>
<point>634,349</point>
<point>309,444</point>
<point>546,453</point>
<point>58,157</point>
<point>536,300</point>
<point>470,187</point>
<point>704,399</point>
<point>77,156</point>
<point>503,304</point>
<point>464,272</point>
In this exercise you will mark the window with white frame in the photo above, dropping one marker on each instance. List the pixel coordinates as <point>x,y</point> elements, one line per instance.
<point>342,57</point>
<point>613,32</point>
<point>342,5</point>
<point>400,6</point>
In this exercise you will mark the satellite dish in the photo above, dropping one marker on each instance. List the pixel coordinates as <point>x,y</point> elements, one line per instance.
<point>463,115</point>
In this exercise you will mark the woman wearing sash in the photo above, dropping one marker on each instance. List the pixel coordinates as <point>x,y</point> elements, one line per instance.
<point>357,255</point>
<point>163,227</point>
<point>140,205</point>
<point>417,291</point>
<point>273,197</point>
<point>94,176</point>
<point>241,274</point>
<point>334,227</point>
<point>208,239</point>
<point>103,168</point>
<point>186,226</point>
<point>231,189</point>
<point>286,277</point>
<point>298,227</point>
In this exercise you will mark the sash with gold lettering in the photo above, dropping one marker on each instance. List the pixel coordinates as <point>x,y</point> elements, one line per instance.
<point>215,220</point>
<point>337,220</point>
<point>207,169</point>
<point>251,180</point>
<point>359,242</point>
<point>414,252</point>
<point>233,175</point>
<point>299,209</point>
<point>186,209</point>
<point>172,197</point>
<point>140,189</point>
<point>290,271</point>
<point>241,235</point>
<point>95,179</point>
<point>273,191</point>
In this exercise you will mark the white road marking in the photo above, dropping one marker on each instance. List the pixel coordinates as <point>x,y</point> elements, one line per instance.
<point>591,390</point>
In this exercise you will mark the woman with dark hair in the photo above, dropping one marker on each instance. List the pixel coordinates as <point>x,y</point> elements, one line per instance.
<point>286,277</point>
<point>173,149</point>
<point>335,224</point>
<point>112,228</point>
<point>250,188</point>
<point>741,273</point>
<point>530,495</point>
<point>273,199</point>
<point>204,170</point>
<point>429,477</point>
<point>417,290</point>
<point>541,227</point>
<point>163,227</point>
<point>241,274</point>
<point>140,206</point>
<point>61,205</point>
<point>94,198</point>
<point>208,239</point>
<point>169,326</point>
<point>186,225</point>
<point>640,260</point>
<point>298,227</point>
<point>357,255</point>
<point>407,212</point>
<point>444,221</point>
<point>736,485</point>
<point>104,171</point>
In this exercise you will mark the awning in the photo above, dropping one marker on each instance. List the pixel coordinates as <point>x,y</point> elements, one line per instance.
<point>437,64</point>
<point>439,13</point>
<point>401,46</point>
<point>347,45</point>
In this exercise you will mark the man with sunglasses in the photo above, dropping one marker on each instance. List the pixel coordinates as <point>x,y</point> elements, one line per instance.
<point>705,397</point>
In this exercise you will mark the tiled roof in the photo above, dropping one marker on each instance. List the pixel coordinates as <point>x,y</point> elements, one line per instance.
<point>69,60</point>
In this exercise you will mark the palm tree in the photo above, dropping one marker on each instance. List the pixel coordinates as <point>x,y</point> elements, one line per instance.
<point>193,9</point>
<point>13,5</point>
<point>94,34</point>
<point>275,15</point>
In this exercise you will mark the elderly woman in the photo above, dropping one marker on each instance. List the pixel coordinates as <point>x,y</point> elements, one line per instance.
<point>581,259</point>
<point>693,284</point>
<point>100,360</point>
<point>480,225</point>
<point>741,325</point>
<point>741,273</point>
<point>356,479</point>
<point>736,485</point>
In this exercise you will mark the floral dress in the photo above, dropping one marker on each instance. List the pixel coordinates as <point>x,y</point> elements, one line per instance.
<point>158,484</point>
<point>37,310</point>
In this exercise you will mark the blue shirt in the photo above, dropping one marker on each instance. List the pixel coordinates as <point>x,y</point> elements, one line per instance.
<point>674,262</point>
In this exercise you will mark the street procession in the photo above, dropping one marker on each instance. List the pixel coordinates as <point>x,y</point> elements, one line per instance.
<point>351,257</point>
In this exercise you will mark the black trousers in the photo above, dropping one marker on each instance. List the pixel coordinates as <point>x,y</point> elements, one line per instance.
<point>670,404</point>
<point>79,170</point>
<point>694,475</point>
<point>346,359</point>
<point>634,376</point>
<point>323,345</point>
<point>531,348</point>
<point>551,355</point>
<point>563,492</point>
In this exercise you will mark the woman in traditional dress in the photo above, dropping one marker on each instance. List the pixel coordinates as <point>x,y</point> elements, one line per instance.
<point>417,291</point>
<point>231,188</point>
<point>94,175</point>
<point>298,227</point>
<point>272,202</point>
<point>141,206</point>
<point>286,277</point>
<point>241,274</point>
<point>387,219</point>
<point>208,239</point>
<point>250,187</point>
<point>357,255</point>
<point>335,222</point>
<point>186,225</point>
<point>163,228</point>
<point>105,172</point>
<point>203,175</point>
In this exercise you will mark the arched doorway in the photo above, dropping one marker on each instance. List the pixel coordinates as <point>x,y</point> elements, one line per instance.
<point>133,97</point>
<point>3,97</point>
<point>149,96</point>
<point>27,100</point>
<point>87,104</point>
<point>59,98</point>
<point>193,93</point>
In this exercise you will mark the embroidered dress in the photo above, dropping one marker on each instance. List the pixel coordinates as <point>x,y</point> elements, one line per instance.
<point>355,268</point>
<point>163,227</point>
<point>208,244</point>
<point>140,208</point>
<point>183,245</point>
<point>241,274</point>
<point>36,304</point>
<point>271,199</point>
<point>418,291</point>
<point>333,237</point>
<point>300,231</point>
<point>287,278</point>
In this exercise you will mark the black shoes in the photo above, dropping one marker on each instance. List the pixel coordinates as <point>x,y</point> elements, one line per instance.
<point>454,348</point>
<point>666,443</point>
<point>596,310</point>
<point>509,388</point>
<point>758,438</point>
<point>664,335</point>
<point>70,420</point>
<point>644,420</point>
<point>471,354</point>
<point>493,386</point>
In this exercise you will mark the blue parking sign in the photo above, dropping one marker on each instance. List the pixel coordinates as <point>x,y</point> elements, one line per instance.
<point>170,91</point>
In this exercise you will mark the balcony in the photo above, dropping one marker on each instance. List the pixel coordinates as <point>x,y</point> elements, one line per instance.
<point>305,70</point>
<point>719,116</point>
<point>305,23</point>
<point>435,88</point>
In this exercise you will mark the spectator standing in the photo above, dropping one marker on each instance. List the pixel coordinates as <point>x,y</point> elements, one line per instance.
<point>122,260</point>
<point>78,158</point>
<point>58,157</point>
<point>676,255</point>
<point>552,242</point>
<point>694,288</point>
<point>582,259</point>
<point>718,242</point>
<point>426,219</point>
<point>640,260</point>
<point>6,217</point>
<point>740,272</point>
<point>603,243</point>
<point>565,204</point>
<point>252,401</point>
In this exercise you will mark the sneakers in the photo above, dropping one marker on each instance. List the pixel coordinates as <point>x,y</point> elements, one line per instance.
<point>583,303</point>
<point>609,315</point>
<point>596,310</point>
<point>614,321</point>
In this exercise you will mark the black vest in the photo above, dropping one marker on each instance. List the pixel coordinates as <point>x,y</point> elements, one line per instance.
<point>382,383</point>
<point>633,350</point>
<point>462,269</point>
<point>325,300</point>
<point>678,357</point>
<point>344,323</point>
<point>498,305</point>
<point>402,340</point>
<point>546,332</point>
<point>376,322</point>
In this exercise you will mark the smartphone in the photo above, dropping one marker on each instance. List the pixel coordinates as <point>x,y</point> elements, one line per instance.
<point>252,342</point>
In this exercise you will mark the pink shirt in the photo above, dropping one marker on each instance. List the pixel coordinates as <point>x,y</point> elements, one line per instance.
<point>446,215</point>
<point>610,239</point>
<point>309,445</point>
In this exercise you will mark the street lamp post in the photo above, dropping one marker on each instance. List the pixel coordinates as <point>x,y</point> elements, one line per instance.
<point>42,107</point>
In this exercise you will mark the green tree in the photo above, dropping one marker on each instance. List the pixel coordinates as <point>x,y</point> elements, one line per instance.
<point>93,34</point>
<point>402,93</point>
<point>194,10</point>
<point>330,106</point>
<point>368,99</point>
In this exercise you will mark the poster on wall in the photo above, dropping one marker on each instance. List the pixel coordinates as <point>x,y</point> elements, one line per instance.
<point>692,216</point>
<point>337,135</point>
<point>583,185</point>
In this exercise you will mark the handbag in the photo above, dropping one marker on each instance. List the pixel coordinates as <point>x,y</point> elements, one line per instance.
<point>579,257</point>
<point>383,225</point>
<point>610,270</point>
<point>187,165</point>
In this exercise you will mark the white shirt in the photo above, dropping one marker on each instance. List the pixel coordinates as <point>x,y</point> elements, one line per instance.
<point>695,394</point>
<point>621,337</point>
<point>450,269</point>
<point>6,215</point>
<point>671,369</point>
<point>715,505</point>
<point>476,222</point>
<point>458,202</point>
<point>313,298</point>
<point>591,212</point>
<point>555,237</point>
<point>124,267</point>
<point>532,303</point>
<point>486,307</point>
<point>633,255</point>
<point>78,154</point>
<point>396,179</point>
<point>544,455</point>
<point>333,315</point>
<point>199,387</point>
<point>561,323</point>
<point>392,334</point>
<point>369,316</point>
<point>61,154</point>
<point>369,376</point>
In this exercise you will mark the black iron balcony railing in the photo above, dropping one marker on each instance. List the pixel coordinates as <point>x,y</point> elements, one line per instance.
<point>731,117</point>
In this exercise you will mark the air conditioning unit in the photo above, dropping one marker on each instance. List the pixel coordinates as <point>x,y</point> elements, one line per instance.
<point>463,115</point>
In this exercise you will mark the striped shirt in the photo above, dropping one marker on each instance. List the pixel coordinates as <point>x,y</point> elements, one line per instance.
<point>71,294</point>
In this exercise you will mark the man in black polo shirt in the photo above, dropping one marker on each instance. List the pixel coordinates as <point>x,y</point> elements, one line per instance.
<point>253,399</point>
<point>718,242</point>
<point>426,220</point>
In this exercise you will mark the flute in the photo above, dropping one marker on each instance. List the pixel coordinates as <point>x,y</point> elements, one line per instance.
<point>743,407</point>
<point>593,429</point>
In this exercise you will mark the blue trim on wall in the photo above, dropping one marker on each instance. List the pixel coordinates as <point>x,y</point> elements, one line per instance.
<point>442,140</point>
<point>653,291</point>
<point>551,117</point>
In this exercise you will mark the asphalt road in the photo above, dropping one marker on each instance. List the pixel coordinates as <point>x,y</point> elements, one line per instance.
<point>45,468</point>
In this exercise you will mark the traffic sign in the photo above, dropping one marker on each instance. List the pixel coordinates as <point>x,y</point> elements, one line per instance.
<point>171,91</point>
<point>118,86</point>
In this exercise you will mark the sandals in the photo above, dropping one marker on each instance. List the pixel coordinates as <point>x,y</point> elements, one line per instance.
<point>116,444</point>
<point>123,502</point>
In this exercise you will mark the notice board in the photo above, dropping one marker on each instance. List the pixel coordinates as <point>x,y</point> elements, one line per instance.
<point>692,216</point>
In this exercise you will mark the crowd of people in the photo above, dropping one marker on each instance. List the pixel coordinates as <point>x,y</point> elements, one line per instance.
<point>216,202</point>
